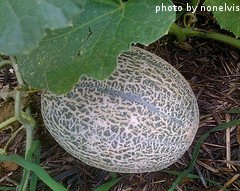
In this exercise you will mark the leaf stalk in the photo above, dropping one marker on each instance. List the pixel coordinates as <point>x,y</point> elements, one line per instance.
<point>184,32</point>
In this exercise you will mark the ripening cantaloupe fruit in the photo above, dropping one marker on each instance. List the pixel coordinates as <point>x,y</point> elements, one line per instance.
<point>142,118</point>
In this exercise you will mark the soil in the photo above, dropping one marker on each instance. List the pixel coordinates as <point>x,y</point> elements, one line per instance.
<point>213,71</point>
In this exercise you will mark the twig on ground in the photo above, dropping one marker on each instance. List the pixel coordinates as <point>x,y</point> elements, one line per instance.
<point>230,182</point>
<point>228,142</point>
<point>214,170</point>
<point>201,176</point>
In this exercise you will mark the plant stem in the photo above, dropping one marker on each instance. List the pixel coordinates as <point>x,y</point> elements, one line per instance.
<point>27,121</point>
<point>15,67</point>
<point>18,109</point>
<point>18,114</point>
<point>195,3</point>
<point>24,118</point>
<point>204,34</point>
<point>4,62</point>
<point>7,122</point>
<point>25,184</point>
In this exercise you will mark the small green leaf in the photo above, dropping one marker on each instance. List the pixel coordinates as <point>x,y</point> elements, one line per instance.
<point>7,188</point>
<point>40,172</point>
<point>34,152</point>
<point>108,185</point>
<point>23,23</point>
<point>37,157</point>
<point>91,46</point>
<point>228,18</point>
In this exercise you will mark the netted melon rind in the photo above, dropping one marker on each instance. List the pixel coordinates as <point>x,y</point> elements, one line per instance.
<point>142,118</point>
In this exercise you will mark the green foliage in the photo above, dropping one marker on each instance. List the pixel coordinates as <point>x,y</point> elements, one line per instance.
<point>91,45</point>
<point>227,19</point>
<point>23,23</point>
<point>40,172</point>
<point>33,154</point>
<point>7,188</point>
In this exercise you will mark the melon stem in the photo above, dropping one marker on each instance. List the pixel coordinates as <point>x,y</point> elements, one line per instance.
<point>182,33</point>
<point>24,118</point>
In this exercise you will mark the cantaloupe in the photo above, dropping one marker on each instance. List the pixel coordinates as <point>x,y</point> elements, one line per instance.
<point>142,118</point>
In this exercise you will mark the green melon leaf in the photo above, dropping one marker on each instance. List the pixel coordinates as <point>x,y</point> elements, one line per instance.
<point>23,23</point>
<point>228,19</point>
<point>91,45</point>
